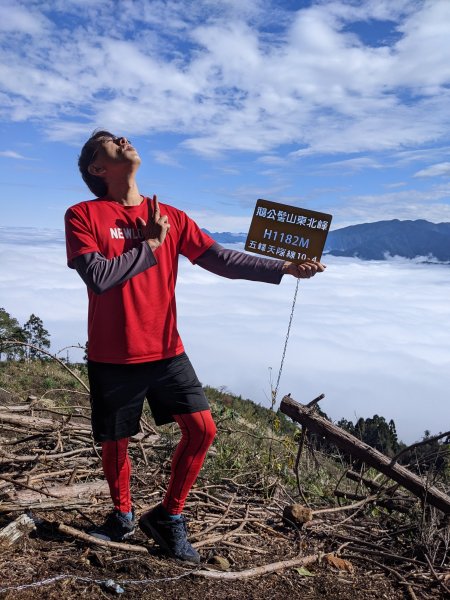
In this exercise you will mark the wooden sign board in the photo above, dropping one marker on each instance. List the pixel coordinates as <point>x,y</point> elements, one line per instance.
<point>287,232</point>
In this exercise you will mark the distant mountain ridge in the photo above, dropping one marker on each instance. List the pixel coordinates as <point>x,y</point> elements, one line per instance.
<point>379,240</point>
<point>226,237</point>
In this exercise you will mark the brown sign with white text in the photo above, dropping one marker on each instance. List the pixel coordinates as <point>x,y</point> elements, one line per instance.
<point>287,232</point>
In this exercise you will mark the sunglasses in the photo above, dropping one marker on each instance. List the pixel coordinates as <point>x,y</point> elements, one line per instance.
<point>104,140</point>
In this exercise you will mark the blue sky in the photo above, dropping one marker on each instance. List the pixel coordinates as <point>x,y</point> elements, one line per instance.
<point>338,106</point>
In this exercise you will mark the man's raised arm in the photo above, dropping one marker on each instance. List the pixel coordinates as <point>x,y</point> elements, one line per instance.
<point>239,265</point>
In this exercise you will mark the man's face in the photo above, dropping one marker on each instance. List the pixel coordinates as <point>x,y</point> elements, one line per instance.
<point>113,151</point>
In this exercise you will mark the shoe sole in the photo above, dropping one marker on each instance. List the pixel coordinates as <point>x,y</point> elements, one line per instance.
<point>153,533</point>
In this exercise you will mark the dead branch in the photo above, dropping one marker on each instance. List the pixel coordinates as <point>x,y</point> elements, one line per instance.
<point>213,539</point>
<point>273,532</point>
<point>350,444</point>
<point>216,522</point>
<point>435,575</point>
<point>315,401</point>
<point>90,539</point>
<point>258,571</point>
<point>356,505</point>
<point>8,459</point>
<point>424,442</point>
<point>28,487</point>
<point>242,547</point>
<point>297,466</point>
<point>44,505</point>
<point>370,483</point>
<point>399,503</point>
<point>15,408</point>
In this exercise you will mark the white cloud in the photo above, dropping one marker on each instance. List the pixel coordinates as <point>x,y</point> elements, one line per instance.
<point>368,335</point>
<point>273,160</point>
<point>165,158</point>
<point>395,184</point>
<point>425,37</point>
<point>18,20</point>
<point>13,154</point>
<point>233,85</point>
<point>430,204</point>
<point>351,165</point>
<point>214,221</point>
<point>371,335</point>
<point>434,170</point>
<point>424,154</point>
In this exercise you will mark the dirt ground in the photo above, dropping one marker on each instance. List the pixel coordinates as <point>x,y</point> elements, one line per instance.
<point>66,568</point>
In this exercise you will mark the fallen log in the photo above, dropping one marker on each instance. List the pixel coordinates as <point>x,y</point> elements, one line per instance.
<point>51,504</point>
<point>65,496</point>
<point>15,408</point>
<point>76,490</point>
<point>10,534</point>
<point>41,423</point>
<point>351,445</point>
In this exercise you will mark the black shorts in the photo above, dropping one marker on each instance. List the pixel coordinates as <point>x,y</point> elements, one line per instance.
<point>118,392</point>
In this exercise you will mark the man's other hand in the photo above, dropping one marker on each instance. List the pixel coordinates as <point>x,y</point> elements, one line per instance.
<point>303,271</point>
<point>154,232</point>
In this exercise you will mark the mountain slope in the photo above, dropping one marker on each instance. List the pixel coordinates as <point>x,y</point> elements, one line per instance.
<point>373,241</point>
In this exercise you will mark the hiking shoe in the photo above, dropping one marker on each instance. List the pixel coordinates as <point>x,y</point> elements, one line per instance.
<point>116,528</point>
<point>169,534</point>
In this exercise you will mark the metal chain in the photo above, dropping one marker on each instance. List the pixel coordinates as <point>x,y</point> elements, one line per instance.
<point>108,583</point>
<point>275,391</point>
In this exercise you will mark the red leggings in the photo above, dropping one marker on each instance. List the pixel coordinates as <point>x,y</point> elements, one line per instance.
<point>198,431</point>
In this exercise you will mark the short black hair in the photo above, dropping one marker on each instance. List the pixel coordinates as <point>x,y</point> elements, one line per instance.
<point>96,184</point>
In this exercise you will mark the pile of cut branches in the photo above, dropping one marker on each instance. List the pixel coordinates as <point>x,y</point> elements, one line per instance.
<point>48,458</point>
<point>52,491</point>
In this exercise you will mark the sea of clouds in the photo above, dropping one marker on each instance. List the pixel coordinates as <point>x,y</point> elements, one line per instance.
<point>373,336</point>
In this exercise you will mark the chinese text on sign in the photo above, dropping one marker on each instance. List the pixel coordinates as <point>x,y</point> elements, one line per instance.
<point>287,232</point>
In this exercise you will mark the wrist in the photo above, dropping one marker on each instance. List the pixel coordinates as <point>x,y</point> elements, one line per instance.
<point>154,244</point>
<point>285,267</point>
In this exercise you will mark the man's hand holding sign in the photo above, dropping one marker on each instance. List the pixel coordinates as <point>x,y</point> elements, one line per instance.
<point>304,270</point>
<point>287,232</point>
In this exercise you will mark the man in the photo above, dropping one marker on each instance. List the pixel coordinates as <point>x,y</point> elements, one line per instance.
<point>125,247</point>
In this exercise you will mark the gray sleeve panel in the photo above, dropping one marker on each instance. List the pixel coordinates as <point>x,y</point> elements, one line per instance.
<point>101,274</point>
<point>238,265</point>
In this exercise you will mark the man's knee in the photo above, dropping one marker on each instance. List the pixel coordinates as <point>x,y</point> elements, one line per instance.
<point>198,425</point>
<point>210,429</point>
